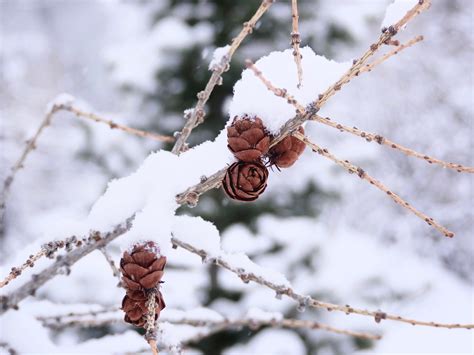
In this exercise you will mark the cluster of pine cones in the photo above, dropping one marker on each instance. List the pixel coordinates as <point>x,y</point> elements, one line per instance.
<point>249,141</point>
<point>142,270</point>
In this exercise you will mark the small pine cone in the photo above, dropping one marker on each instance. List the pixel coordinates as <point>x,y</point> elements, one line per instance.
<point>245,181</point>
<point>134,304</point>
<point>248,139</point>
<point>142,268</point>
<point>287,152</point>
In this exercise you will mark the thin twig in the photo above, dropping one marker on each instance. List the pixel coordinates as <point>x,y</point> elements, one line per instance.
<point>197,113</point>
<point>370,137</point>
<point>61,266</point>
<point>296,40</point>
<point>58,322</point>
<point>17,271</point>
<point>48,249</point>
<point>399,48</point>
<point>353,71</point>
<point>113,125</point>
<point>150,326</point>
<point>352,169</point>
<point>306,300</point>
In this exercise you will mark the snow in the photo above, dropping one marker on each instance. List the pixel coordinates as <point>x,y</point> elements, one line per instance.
<point>251,96</point>
<point>271,341</point>
<point>150,192</point>
<point>218,57</point>
<point>396,10</point>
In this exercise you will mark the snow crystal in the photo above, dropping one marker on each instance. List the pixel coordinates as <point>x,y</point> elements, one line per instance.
<point>218,57</point>
<point>251,97</point>
<point>396,10</point>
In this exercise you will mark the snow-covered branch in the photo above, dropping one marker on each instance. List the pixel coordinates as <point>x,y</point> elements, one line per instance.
<point>306,300</point>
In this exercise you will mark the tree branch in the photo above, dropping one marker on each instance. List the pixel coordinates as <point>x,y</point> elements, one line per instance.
<point>296,40</point>
<point>308,301</point>
<point>89,320</point>
<point>197,113</point>
<point>352,169</point>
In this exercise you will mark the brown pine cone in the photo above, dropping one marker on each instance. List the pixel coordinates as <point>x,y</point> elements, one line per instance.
<point>245,181</point>
<point>135,307</point>
<point>142,268</point>
<point>287,152</point>
<point>248,139</point>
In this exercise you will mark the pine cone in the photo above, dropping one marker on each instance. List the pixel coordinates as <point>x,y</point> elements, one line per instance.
<point>135,307</point>
<point>287,152</point>
<point>245,181</point>
<point>142,268</point>
<point>248,139</point>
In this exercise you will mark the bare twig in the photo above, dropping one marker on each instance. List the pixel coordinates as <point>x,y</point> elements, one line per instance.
<point>306,300</point>
<point>372,137</point>
<point>48,249</point>
<point>399,48</point>
<point>197,113</point>
<point>296,40</point>
<point>150,326</point>
<point>62,265</point>
<point>16,271</point>
<point>113,125</point>
<point>353,71</point>
<point>58,322</point>
<point>363,175</point>
<point>369,137</point>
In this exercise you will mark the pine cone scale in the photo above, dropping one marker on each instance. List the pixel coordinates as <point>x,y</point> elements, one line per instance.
<point>248,139</point>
